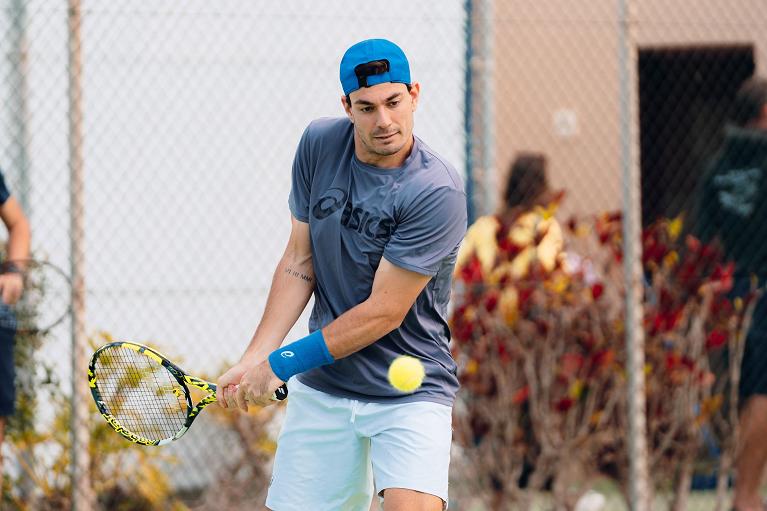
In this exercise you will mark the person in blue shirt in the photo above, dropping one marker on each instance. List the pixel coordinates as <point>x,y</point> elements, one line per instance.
<point>11,288</point>
<point>377,218</point>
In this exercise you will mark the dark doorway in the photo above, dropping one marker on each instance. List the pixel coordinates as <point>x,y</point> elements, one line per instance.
<point>684,98</point>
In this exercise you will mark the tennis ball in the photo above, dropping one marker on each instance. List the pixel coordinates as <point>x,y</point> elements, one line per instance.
<point>406,373</point>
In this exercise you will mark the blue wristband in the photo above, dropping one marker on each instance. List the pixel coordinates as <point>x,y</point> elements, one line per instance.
<point>300,356</point>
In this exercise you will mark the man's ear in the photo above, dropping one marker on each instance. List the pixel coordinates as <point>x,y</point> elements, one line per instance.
<point>347,108</point>
<point>415,93</point>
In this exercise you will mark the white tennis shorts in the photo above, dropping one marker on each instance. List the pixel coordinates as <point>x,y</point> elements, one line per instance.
<point>333,451</point>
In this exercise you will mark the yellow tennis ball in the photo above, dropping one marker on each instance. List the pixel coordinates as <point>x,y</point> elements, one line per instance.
<point>406,373</point>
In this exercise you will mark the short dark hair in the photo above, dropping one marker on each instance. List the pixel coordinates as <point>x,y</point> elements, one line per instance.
<point>749,101</point>
<point>372,68</point>
<point>527,182</point>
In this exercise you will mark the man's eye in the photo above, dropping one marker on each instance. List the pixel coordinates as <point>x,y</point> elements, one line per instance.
<point>366,109</point>
<point>393,104</point>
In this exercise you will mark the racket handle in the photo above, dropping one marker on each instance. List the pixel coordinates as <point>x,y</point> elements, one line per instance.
<point>281,393</point>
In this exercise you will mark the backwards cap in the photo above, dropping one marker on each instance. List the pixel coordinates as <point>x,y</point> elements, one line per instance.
<point>397,68</point>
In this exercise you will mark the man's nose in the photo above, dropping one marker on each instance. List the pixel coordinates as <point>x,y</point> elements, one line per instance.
<point>383,118</point>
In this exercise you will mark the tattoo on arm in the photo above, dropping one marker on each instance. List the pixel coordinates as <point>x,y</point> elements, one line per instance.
<point>298,274</point>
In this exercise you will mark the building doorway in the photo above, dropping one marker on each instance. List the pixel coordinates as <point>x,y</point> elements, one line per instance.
<point>684,99</point>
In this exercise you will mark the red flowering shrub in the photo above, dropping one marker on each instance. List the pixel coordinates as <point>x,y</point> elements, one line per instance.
<point>541,359</point>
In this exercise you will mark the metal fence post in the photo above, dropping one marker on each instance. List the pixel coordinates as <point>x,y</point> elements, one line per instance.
<point>632,248</point>
<point>82,498</point>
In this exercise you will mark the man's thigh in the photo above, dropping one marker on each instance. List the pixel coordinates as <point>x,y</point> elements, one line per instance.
<point>753,377</point>
<point>400,499</point>
<point>321,463</point>
<point>410,450</point>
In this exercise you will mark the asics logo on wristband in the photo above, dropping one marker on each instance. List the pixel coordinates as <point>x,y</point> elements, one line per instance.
<point>287,354</point>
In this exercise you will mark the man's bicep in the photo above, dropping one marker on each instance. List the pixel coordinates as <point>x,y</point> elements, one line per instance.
<point>397,287</point>
<point>300,237</point>
<point>298,253</point>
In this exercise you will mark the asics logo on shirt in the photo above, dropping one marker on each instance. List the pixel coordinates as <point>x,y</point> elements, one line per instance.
<point>354,217</point>
<point>333,200</point>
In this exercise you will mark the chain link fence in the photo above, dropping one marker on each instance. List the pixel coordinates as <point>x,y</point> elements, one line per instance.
<point>183,121</point>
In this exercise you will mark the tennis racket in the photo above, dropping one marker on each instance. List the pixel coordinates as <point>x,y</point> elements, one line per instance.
<point>144,396</point>
<point>46,299</point>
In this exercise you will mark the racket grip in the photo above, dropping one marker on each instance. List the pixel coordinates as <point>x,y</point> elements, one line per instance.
<point>281,393</point>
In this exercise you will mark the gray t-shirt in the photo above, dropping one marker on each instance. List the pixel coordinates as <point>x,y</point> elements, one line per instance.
<point>415,217</point>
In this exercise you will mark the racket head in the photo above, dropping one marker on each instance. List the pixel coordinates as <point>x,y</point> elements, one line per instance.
<point>143,395</point>
<point>46,299</point>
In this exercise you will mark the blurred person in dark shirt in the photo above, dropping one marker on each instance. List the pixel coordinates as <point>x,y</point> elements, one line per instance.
<point>733,210</point>
<point>11,287</point>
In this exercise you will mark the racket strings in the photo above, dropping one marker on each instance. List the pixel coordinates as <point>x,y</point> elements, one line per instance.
<point>140,393</point>
<point>44,302</point>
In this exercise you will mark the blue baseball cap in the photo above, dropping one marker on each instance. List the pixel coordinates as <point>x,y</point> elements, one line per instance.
<point>397,69</point>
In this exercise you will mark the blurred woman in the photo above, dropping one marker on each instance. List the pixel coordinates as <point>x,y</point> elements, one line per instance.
<point>523,231</point>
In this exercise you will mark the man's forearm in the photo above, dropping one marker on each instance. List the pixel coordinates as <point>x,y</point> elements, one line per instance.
<point>360,326</point>
<point>18,241</point>
<point>350,332</point>
<point>393,294</point>
<point>292,286</point>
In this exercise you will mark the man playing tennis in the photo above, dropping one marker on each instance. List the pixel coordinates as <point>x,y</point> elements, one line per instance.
<point>377,218</point>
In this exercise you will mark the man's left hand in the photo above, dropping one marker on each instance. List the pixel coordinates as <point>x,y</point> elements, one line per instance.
<point>257,386</point>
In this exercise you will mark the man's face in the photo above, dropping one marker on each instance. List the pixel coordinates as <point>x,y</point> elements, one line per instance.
<point>383,122</point>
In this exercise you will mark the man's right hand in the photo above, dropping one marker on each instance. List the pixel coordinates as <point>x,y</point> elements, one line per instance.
<point>11,287</point>
<point>226,393</point>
